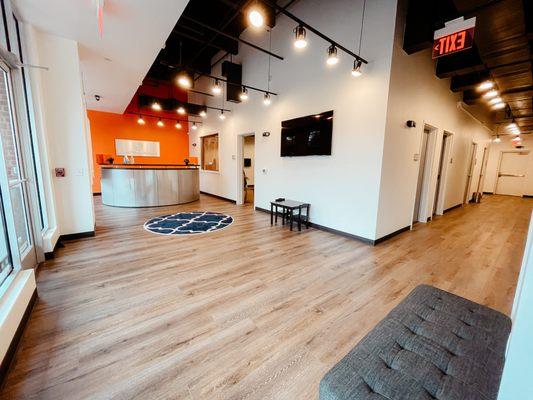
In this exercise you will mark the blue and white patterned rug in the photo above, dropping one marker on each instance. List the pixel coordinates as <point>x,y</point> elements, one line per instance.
<point>188,223</point>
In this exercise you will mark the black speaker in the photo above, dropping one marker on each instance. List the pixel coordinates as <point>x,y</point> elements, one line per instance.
<point>233,73</point>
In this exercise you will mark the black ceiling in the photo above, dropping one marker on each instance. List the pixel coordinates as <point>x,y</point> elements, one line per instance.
<point>201,32</point>
<point>502,52</point>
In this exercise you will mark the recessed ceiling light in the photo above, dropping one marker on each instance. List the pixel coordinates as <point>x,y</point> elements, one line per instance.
<point>490,94</point>
<point>485,85</point>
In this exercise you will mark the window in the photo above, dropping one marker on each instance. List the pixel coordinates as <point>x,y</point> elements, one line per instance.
<point>210,152</point>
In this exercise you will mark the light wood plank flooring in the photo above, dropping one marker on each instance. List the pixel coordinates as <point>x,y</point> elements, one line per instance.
<point>249,312</point>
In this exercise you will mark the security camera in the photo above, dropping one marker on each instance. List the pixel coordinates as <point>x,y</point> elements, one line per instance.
<point>97,97</point>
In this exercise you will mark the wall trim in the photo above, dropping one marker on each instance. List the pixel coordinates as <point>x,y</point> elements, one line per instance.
<point>391,235</point>
<point>74,236</point>
<point>219,197</point>
<point>12,350</point>
<point>97,193</point>
<point>330,230</point>
<point>452,208</point>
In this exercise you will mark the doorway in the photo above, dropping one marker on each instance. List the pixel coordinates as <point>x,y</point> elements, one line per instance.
<point>246,169</point>
<point>438,204</point>
<point>481,181</point>
<point>425,159</point>
<point>470,172</point>
<point>512,173</point>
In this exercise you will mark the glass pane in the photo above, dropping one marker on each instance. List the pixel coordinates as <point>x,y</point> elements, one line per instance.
<point>6,265</point>
<point>210,152</point>
<point>19,215</point>
<point>12,164</point>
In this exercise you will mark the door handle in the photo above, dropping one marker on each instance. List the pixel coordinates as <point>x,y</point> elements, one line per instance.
<point>511,175</point>
<point>15,182</point>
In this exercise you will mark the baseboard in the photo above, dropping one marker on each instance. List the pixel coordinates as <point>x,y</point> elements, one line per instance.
<point>97,194</point>
<point>51,254</point>
<point>219,197</point>
<point>74,236</point>
<point>452,208</point>
<point>528,196</point>
<point>12,349</point>
<point>489,193</point>
<point>390,235</point>
<point>330,230</point>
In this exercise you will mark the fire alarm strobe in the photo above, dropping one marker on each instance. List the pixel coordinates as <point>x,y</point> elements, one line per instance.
<point>457,35</point>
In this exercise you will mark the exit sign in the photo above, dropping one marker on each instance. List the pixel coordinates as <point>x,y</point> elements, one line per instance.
<point>456,36</point>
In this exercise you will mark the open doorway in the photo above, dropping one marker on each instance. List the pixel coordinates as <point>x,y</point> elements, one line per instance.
<point>425,158</point>
<point>470,172</point>
<point>440,191</point>
<point>246,169</point>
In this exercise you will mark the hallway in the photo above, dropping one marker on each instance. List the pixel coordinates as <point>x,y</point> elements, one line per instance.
<point>241,313</point>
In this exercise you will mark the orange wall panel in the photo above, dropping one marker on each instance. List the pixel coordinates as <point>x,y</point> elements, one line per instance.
<point>106,127</point>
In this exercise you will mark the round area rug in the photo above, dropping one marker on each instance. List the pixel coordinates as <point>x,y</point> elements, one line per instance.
<point>188,223</point>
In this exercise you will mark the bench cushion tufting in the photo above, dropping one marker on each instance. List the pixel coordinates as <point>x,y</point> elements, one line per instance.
<point>433,345</point>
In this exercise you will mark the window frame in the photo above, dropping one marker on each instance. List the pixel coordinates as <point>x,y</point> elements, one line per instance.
<point>202,153</point>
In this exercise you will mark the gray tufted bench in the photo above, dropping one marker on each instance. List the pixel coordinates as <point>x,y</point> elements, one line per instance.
<point>433,345</point>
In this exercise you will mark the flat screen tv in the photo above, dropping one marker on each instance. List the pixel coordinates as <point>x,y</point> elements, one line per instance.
<point>307,136</point>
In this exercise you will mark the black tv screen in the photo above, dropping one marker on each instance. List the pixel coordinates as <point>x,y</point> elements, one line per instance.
<point>307,136</point>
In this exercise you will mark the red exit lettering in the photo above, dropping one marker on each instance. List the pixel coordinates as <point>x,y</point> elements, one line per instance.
<point>453,43</point>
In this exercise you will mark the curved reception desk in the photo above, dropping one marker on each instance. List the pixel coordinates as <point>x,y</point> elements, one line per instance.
<point>149,186</point>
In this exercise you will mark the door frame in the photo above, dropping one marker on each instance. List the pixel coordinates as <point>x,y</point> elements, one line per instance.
<point>425,209</point>
<point>470,171</point>
<point>445,160</point>
<point>240,162</point>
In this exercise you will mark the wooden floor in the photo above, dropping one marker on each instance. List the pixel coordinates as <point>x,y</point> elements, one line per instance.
<point>249,312</point>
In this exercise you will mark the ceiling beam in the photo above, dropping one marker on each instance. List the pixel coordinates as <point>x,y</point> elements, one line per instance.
<point>460,83</point>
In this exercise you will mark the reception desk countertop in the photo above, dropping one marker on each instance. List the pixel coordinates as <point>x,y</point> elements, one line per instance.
<point>149,185</point>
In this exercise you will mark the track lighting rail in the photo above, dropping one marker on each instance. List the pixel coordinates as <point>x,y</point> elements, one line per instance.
<point>283,11</point>
<point>141,114</point>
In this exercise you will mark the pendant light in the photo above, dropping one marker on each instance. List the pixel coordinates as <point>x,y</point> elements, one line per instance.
<point>216,89</point>
<point>497,139</point>
<point>181,110</point>
<point>300,41</point>
<point>156,106</point>
<point>184,80</point>
<point>266,99</point>
<point>178,125</point>
<point>141,121</point>
<point>357,64</point>
<point>222,116</point>
<point>203,114</point>
<point>194,127</point>
<point>244,94</point>
<point>160,123</point>
<point>255,16</point>
<point>332,55</point>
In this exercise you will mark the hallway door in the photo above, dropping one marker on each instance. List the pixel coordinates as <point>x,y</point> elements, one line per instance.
<point>512,173</point>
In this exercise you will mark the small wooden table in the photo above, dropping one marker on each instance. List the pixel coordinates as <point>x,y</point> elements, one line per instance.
<point>288,207</point>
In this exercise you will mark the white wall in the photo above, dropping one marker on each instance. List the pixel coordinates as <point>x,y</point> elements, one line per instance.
<point>349,178</point>
<point>516,380</point>
<point>13,302</point>
<point>417,94</point>
<point>59,97</point>
<point>494,163</point>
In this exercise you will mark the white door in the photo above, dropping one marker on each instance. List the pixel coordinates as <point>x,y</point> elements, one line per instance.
<point>512,174</point>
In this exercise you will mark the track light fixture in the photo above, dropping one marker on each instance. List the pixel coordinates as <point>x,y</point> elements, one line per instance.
<point>216,89</point>
<point>495,100</point>
<point>356,70</point>
<point>498,106</point>
<point>485,86</point>
<point>178,125</point>
<point>203,114</point>
<point>194,126</point>
<point>497,139</point>
<point>181,110</point>
<point>156,106</point>
<point>160,123</point>
<point>266,99</point>
<point>300,41</point>
<point>222,116</point>
<point>141,121</point>
<point>332,55</point>
<point>184,80</point>
<point>244,94</point>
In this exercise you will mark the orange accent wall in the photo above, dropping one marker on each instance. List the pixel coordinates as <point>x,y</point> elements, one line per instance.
<point>106,127</point>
